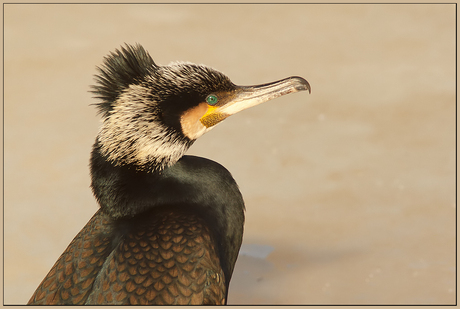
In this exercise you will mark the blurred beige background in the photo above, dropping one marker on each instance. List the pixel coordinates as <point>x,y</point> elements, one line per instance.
<point>350,191</point>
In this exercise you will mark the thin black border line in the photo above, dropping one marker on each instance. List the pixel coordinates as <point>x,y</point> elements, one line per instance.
<point>456,154</point>
<point>259,3</point>
<point>250,3</point>
<point>3,153</point>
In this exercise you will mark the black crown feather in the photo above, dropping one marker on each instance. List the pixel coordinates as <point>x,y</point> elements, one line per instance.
<point>119,70</point>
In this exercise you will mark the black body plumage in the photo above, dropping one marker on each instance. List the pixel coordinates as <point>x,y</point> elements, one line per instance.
<point>169,226</point>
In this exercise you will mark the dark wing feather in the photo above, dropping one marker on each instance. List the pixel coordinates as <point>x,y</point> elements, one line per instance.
<point>71,279</point>
<point>167,258</point>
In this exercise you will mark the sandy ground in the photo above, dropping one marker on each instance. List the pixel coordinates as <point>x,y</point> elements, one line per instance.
<point>350,191</point>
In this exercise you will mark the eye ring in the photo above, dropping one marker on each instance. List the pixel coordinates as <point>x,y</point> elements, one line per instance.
<point>212,99</point>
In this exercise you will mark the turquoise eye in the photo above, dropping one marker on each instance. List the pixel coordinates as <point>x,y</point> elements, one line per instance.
<point>212,99</point>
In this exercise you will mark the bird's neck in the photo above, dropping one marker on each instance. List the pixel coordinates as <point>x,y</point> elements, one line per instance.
<point>121,186</point>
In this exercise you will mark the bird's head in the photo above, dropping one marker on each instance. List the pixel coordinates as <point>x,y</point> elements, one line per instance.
<point>152,114</point>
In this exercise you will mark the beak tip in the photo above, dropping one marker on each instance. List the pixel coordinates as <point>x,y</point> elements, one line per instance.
<point>301,84</point>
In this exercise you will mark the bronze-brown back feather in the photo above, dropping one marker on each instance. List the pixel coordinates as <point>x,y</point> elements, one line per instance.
<point>170,261</point>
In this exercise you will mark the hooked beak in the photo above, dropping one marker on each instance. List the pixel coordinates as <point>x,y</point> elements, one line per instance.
<point>244,97</point>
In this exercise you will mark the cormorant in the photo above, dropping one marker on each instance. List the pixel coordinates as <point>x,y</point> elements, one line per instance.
<point>169,226</point>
